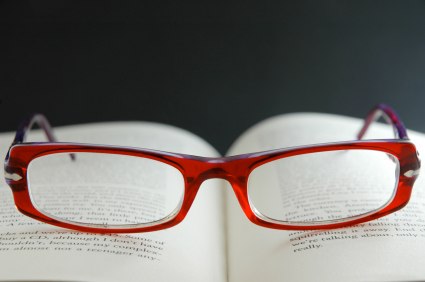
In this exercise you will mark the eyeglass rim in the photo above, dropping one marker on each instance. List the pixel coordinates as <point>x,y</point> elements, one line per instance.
<point>196,169</point>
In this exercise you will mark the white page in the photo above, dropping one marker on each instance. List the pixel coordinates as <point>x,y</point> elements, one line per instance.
<point>388,249</point>
<point>191,251</point>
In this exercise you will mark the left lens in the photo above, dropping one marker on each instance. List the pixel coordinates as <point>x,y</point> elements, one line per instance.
<point>104,190</point>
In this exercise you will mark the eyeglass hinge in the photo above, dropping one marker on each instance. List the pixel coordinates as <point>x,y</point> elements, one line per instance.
<point>411,173</point>
<point>12,176</point>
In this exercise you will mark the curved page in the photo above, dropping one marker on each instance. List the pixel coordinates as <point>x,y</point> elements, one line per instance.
<point>389,249</point>
<point>190,251</point>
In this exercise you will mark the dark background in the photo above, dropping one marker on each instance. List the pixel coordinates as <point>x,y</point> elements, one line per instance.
<point>213,69</point>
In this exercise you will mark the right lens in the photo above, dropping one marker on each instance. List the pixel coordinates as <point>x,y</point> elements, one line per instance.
<point>322,187</point>
<point>105,190</point>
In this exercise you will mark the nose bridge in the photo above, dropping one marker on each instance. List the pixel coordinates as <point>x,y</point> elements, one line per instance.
<point>214,173</point>
<point>219,168</point>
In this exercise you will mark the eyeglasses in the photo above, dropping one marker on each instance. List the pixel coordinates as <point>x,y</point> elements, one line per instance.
<point>110,189</point>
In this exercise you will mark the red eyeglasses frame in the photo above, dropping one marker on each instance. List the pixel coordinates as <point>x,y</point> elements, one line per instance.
<point>196,169</point>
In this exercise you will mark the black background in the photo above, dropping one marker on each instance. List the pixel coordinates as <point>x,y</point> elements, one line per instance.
<point>212,68</point>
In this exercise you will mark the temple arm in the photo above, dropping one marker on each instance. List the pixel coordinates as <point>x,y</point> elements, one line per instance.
<point>390,116</point>
<point>25,127</point>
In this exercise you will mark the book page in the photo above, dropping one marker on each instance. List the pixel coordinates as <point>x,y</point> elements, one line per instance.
<point>388,249</point>
<point>194,250</point>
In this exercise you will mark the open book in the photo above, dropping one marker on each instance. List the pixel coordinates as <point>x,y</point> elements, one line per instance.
<point>216,242</point>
